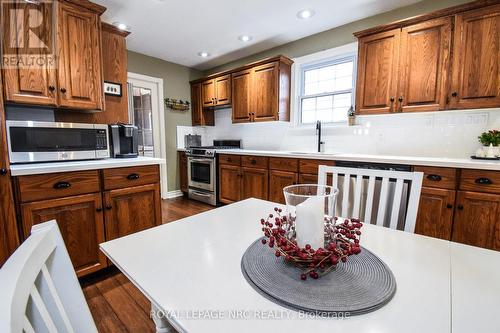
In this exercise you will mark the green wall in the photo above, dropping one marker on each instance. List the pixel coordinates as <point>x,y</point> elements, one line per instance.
<point>175,85</point>
<point>340,35</point>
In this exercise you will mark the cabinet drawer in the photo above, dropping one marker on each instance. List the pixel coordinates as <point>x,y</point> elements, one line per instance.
<point>254,161</point>
<point>445,178</point>
<point>230,159</point>
<point>57,185</point>
<point>312,166</point>
<point>132,176</point>
<point>480,181</point>
<point>284,164</point>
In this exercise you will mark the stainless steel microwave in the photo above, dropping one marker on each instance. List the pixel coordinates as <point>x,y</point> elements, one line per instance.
<point>37,141</point>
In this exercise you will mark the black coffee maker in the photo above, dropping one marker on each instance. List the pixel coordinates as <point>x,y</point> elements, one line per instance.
<point>124,141</point>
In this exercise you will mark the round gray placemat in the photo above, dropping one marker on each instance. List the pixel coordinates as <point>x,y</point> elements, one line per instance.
<point>361,285</point>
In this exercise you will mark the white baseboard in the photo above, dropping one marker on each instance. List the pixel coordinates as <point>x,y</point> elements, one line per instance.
<point>173,194</point>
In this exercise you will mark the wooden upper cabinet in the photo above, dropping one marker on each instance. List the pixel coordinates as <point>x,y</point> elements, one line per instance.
<point>34,81</point>
<point>476,220</point>
<point>377,82</point>
<point>424,66</point>
<point>222,90</point>
<point>208,93</point>
<point>476,58</point>
<point>241,82</point>
<point>79,71</point>
<point>264,98</point>
<point>196,104</point>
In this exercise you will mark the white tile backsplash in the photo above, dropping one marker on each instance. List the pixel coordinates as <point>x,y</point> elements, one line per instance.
<point>450,134</point>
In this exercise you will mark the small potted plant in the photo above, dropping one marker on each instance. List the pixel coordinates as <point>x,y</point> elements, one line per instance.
<point>490,141</point>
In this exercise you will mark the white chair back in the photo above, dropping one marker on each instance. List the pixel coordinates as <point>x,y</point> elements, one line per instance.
<point>40,290</point>
<point>364,195</point>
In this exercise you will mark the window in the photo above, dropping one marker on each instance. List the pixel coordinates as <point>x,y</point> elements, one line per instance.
<point>327,91</point>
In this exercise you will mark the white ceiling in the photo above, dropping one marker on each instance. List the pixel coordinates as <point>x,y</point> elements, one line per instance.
<point>176,30</point>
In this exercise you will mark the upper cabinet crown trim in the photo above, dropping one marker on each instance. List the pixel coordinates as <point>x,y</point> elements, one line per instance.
<point>98,9</point>
<point>111,28</point>
<point>279,58</point>
<point>425,17</point>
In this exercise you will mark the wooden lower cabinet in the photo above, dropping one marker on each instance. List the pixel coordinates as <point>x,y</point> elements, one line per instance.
<point>254,183</point>
<point>229,183</point>
<point>277,181</point>
<point>132,209</point>
<point>80,220</point>
<point>477,220</point>
<point>183,175</point>
<point>435,213</point>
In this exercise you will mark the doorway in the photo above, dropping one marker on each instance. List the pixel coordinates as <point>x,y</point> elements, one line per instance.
<point>146,111</point>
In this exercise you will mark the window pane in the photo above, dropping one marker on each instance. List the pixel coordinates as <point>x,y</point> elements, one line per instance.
<point>329,78</point>
<point>331,108</point>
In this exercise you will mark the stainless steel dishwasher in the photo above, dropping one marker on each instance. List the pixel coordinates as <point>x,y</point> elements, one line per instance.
<point>378,184</point>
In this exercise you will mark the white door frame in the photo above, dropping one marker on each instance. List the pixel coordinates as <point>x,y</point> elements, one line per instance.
<point>160,147</point>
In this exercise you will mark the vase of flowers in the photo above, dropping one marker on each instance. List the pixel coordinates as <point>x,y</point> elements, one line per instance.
<point>490,141</point>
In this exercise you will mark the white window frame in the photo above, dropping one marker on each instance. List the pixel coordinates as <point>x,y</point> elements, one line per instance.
<point>324,58</point>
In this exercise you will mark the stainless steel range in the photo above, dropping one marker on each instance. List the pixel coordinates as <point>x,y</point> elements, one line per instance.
<point>202,170</point>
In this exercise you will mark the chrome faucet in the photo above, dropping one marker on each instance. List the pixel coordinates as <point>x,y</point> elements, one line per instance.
<point>318,131</point>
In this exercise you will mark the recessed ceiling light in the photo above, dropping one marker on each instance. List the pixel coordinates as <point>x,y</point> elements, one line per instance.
<point>245,38</point>
<point>203,54</point>
<point>305,14</point>
<point>121,26</point>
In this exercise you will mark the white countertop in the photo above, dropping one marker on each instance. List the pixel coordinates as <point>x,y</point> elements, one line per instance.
<point>441,286</point>
<point>464,163</point>
<point>51,167</point>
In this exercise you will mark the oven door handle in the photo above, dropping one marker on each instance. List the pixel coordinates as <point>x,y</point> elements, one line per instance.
<point>201,160</point>
<point>201,194</point>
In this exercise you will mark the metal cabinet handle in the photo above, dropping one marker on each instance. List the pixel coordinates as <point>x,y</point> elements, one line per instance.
<point>52,88</point>
<point>460,207</point>
<point>109,207</point>
<point>454,94</point>
<point>400,99</point>
<point>229,160</point>
<point>434,178</point>
<point>63,90</point>
<point>483,181</point>
<point>391,109</point>
<point>61,185</point>
<point>3,172</point>
<point>449,206</point>
<point>98,209</point>
<point>133,176</point>
<point>253,162</point>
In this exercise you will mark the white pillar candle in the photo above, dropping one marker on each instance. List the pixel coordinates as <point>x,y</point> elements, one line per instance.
<point>309,222</point>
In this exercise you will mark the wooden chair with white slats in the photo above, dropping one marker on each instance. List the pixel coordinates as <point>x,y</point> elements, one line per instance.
<point>40,290</point>
<point>368,178</point>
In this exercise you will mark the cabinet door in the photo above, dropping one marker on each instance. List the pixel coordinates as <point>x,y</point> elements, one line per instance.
<point>34,80</point>
<point>277,181</point>
<point>223,90</point>
<point>132,209</point>
<point>79,71</point>
<point>435,213</point>
<point>264,92</point>
<point>254,183</point>
<point>208,93</point>
<point>196,104</point>
<point>241,85</point>
<point>229,183</point>
<point>80,220</point>
<point>476,220</point>
<point>183,164</point>
<point>476,59</point>
<point>378,63</point>
<point>424,66</point>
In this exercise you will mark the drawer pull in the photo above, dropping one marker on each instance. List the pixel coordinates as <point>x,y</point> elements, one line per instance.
<point>98,209</point>
<point>449,206</point>
<point>109,207</point>
<point>3,172</point>
<point>229,159</point>
<point>483,181</point>
<point>61,185</point>
<point>434,178</point>
<point>253,162</point>
<point>133,176</point>
<point>460,207</point>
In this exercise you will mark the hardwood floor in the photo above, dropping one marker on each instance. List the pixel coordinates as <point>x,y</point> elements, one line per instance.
<point>116,304</point>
